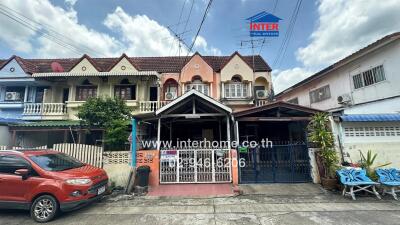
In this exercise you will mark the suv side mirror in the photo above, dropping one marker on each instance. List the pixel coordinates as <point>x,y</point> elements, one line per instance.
<point>23,173</point>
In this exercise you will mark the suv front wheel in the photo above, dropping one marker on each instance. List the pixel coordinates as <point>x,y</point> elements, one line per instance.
<point>44,208</point>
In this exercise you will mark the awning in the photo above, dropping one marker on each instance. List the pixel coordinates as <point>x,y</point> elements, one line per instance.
<point>371,117</point>
<point>59,123</point>
<point>97,74</point>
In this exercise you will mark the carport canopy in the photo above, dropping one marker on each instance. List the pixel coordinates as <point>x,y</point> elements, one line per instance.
<point>276,111</point>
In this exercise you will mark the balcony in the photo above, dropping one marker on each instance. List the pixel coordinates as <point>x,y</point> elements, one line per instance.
<point>150,106</point>
<point>44,111</point>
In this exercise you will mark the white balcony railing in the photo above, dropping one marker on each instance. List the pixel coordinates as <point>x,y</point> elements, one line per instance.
<point>151,106</point>
<point>262,102</point>
<point>44,109</point>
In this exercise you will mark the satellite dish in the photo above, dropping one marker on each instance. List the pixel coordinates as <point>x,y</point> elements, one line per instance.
<point>56,67</point>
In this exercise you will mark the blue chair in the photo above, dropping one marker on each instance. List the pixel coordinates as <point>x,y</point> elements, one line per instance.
<point>356,181</point>
<point>390,179</point>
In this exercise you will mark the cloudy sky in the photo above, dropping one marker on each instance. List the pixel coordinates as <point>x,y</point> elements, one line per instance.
<point>325,30</point>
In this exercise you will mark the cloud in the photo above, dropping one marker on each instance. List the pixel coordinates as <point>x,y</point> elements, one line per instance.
<point>286,78</point>
<point>141,35</point>
<point>71,2</point>
<point>202,46</point>
<point>346,26</point>
<point>136,35</point>
<point>343,28</point>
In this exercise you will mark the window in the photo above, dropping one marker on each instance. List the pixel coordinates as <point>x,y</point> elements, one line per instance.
<point>170,90</point>
<point>10,163</point>
<point>372,131</point>
<point>369,77</point>
<point>198,85</point>
<point>320,94</point>
<point>125,90</point>
<point>56,162</point>
<point>14,94</point>
<point>294,101</point>
<point>86,91</point>
<point>236,88</point>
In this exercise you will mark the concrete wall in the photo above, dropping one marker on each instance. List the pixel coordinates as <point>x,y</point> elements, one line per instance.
<point>5,136</point>
<point>340,81</point>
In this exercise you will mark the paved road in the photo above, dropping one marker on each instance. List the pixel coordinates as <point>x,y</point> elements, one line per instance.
<point>314,208</point>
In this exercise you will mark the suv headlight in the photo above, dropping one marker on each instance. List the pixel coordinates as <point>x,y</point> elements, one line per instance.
<point>78,181</point>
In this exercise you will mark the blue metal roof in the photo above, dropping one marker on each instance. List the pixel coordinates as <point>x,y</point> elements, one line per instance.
<point>371,117</point>
<point>10,120</point>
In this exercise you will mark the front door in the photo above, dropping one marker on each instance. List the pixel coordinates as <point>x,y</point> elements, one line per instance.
<point>153,93</point>
<point>279,164</point>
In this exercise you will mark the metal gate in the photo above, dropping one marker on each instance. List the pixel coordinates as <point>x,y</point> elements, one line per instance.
<point>195,166</point>
<point>279,164</point>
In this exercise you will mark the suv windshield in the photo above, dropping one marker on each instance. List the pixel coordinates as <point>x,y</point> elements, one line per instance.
<point>56,162</point>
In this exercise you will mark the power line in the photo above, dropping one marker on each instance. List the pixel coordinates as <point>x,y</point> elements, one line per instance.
<point>273,11</point>
<point>45,35</point>
<point>201,25</point>
<point>288,34</point>
<point>44,29</point>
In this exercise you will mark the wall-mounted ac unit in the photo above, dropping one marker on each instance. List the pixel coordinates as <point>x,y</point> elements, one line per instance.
<point>170,95</point>
<point>344,99</point>
<point>261,94</point>
<point>12,96</point>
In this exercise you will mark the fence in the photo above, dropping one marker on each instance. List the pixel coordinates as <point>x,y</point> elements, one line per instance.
<point>195,166</point>
<point>117,157</point>
<point>89,154</point>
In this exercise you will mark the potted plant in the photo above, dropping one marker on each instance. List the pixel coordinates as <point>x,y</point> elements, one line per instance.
<point>320,134</point>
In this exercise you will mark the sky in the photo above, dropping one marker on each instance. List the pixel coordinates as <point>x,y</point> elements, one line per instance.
<point>325,30</point>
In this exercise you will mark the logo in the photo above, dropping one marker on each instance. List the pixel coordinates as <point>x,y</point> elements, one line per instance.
<point>264,24</point>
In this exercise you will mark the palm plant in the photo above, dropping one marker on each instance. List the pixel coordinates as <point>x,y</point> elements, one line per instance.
<point>367,162</point>
<point>320,133</point>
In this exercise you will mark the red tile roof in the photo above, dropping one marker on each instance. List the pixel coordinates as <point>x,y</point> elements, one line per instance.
<point>171,64</point>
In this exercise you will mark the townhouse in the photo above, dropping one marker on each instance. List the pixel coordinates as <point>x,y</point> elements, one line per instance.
<point>40,97</point>
<point>362,93</point>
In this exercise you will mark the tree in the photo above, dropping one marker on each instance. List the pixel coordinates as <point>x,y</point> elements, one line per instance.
<point>113,115</point>
<point>320,133</point>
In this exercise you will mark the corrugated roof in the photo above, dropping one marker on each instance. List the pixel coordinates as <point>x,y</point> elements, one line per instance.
<point>60,123</point>
<point>371,117</point>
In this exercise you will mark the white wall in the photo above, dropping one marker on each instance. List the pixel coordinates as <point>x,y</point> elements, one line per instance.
<point>386,144</point>
<point>340,81</point>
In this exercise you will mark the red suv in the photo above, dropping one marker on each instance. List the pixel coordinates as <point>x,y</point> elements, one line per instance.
<point>46,182</point>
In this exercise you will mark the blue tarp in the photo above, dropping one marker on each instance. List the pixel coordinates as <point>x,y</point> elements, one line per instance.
<point>371,117</point>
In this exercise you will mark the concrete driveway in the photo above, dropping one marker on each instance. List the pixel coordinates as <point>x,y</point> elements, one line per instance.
<point>283,207</point>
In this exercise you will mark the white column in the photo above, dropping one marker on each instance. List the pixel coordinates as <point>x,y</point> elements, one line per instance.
<point>250,90</point>
<point>26,93</point>
<point>158,133</point>
<point>223,90</point>
<point>228,132</point>
<point>237,131</point>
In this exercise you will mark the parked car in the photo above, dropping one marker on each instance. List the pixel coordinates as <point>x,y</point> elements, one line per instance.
<point>47,182</point>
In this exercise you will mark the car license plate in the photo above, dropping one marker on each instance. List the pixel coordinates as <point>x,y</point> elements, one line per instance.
<point>101,190</point>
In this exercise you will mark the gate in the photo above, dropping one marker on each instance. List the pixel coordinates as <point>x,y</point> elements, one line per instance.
<point>279,164</point>
<point>195,166</point>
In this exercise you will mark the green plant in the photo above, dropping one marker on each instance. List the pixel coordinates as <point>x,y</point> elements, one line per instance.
<point>367,163</point>
<point>111,114</point>
<point>320,133</point>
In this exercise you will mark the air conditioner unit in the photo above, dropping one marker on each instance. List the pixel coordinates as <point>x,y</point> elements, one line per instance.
<point>170,96</point>
<point>12,96</point>
<point>261,94</point>
<point>344,99</point>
